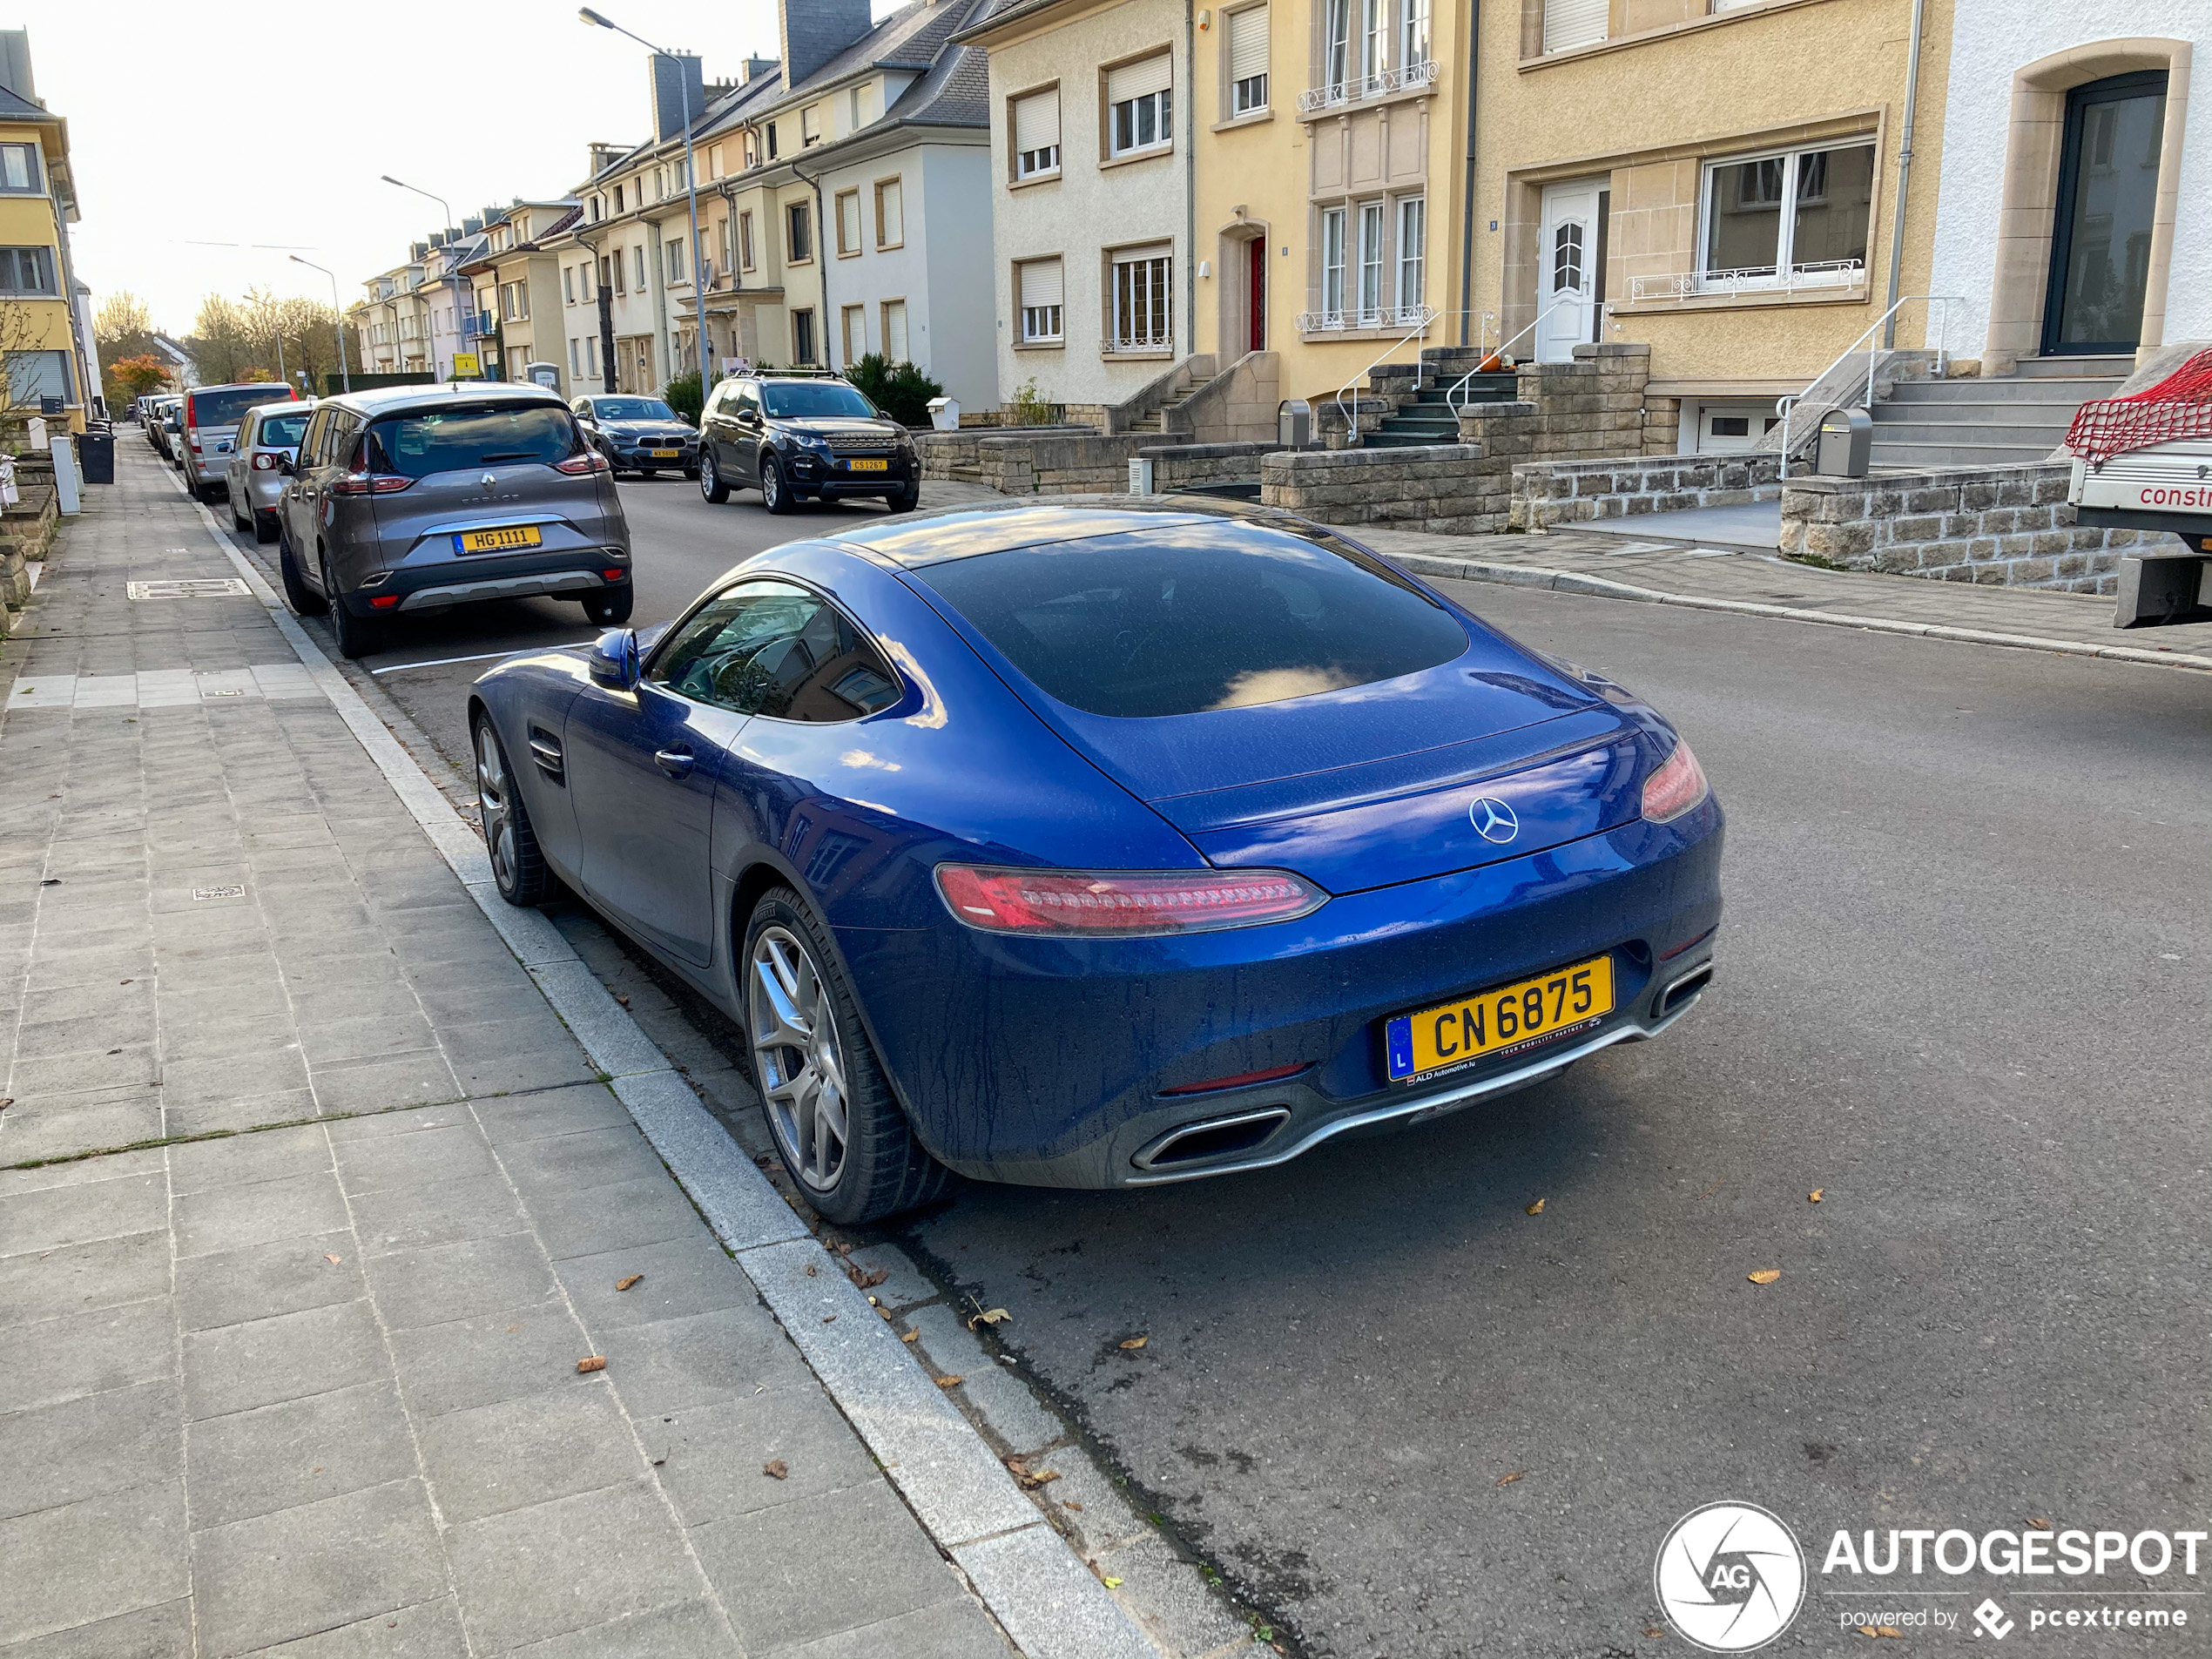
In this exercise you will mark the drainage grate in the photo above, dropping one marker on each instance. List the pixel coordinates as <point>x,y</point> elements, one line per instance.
<point>227,587</point>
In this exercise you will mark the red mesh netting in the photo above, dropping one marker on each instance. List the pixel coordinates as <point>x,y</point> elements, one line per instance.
<point>2178,407</point>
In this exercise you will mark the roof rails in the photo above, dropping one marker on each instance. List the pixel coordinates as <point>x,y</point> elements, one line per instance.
<point>800,374</point>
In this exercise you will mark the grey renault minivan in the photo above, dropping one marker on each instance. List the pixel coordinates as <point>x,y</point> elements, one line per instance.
<point>410,500</point>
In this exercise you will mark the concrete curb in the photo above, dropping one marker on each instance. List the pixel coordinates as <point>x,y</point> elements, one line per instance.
<point>1029,1577</point>
<point>1529,575</point>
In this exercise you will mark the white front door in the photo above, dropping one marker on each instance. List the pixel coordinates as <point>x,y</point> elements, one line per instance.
<point>1567,281</point>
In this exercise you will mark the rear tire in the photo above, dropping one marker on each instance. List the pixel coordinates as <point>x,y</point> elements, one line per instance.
<point>264,527</point>
<point>836,1124</point>
<point>711,483</point>
<point>237,524</point>
<point>518,867</point>
<point>303,599</point>
<point>611,609</point>
<point>775,493</point>
<point>357,636</point>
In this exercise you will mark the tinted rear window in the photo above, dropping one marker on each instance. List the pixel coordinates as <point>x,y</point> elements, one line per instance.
<point>416,446</point>
<point>223,408</point>
<point>281,431</point>
<point>1182,619</point>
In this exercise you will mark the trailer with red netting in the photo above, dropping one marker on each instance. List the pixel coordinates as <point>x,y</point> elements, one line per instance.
<point>2144,463</point>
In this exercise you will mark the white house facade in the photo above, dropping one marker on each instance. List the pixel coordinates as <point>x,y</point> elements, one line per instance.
<point>2074,215</point>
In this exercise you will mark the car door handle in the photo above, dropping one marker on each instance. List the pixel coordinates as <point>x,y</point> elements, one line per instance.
<point>677,763</point>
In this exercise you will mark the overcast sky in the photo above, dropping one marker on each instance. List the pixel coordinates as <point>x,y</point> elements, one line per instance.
<point>270,122</point>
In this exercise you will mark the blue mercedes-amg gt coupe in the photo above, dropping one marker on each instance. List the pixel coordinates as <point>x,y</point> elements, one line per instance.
<point>1103,845</point>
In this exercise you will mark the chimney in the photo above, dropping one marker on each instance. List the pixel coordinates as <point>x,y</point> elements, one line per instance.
<point>816,30</point>
<point>15,64</point>
<point>672,75</point>
<point>603,156</point>
<point>470,226</point>
<point>753,67</point>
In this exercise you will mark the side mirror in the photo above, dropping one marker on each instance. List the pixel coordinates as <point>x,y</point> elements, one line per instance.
<point>285,466</point>
<point>614,659</point>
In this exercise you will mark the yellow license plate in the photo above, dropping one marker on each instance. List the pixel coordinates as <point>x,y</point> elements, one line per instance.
<point>493,541</point>
<point>667,454</point>
<point>868,466</point>
<point>1508,1017</point>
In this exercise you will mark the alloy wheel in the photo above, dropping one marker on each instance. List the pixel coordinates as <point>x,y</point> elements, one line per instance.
<point>771,485</point>
<point>707,477</point>
<point>495,802</point>
<point>797,1058</point>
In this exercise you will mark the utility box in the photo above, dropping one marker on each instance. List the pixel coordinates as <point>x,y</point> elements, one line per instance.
<point>944,414</point>
<point>1140,475</point>
<point>1294,424</point>
<point>545,374</point>
<point>1846,443</point>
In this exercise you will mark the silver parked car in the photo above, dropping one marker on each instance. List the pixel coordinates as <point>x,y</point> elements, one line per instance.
<point>210,429</point>
<point>413,499</point>
<point>268,438</point>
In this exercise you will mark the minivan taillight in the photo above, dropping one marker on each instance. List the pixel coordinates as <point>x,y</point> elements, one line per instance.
<point>369,483</point>
<point>578,465</point>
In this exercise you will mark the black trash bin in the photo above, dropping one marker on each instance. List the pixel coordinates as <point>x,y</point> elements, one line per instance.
<point>96,455</point>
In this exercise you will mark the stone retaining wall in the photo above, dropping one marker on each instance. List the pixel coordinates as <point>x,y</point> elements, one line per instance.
<point>1187,466</point>
<point>2007,526</point>
<point>1441,487</point>
<point>1547,493</point>
<point>957,457</point>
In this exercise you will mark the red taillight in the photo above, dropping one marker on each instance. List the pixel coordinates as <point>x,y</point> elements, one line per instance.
<point>264,461</point>
<point>1677,786</point>
<point>384,601</point>
<point>1242,1079</point>
<point>615,576</point>
<point>1122,902</point>
<point>577,466</point>
<point>369,483</point>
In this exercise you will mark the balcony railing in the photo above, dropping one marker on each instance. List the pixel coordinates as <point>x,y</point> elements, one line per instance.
<point>1687,285</point>
<point>1332,322</point>
<point>481,325</point>
<point>1138,343</point>
<point>1409,78</point>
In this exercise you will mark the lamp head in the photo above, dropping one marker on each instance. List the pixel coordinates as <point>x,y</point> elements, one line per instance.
<point>584,14</point>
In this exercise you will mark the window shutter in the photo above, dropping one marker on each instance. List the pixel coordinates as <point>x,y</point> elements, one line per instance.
<point>848,222</point>
<point>1036,121</point>
<point>1146,75</point>
<point>1573,22</point>
<point>1155,250</point>
<point>890,214</point>
<point>1041,283</point>
<point>1247,44</point>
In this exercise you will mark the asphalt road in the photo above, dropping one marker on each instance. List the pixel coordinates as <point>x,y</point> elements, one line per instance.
<point>1963,992</point>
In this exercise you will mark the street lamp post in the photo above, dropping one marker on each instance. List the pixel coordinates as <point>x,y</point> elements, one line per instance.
<point>585,14</point>
<point>452,274</point>
<point>337,319</point>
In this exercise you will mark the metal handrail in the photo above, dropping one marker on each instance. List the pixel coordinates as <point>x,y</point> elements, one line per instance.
<point>1405,78</point>
<point>1460,384</point>
<point>1785,406</point>
<point>1351,416</point>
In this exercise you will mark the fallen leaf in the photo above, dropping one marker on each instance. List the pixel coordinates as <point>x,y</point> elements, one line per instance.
<point>810,1269</point>
<point>632,1282</point>
<point>1765,1276</point>
<point>6,1100</point>
<point>2042,1523</point>
<point>910,1336</point>
<point>948,1382</point>
<point>1882,1632</point>
<point>333,1260</point>
<point>989,1316</point>
<point>1072,1504</point>
<point>1654,1630</point>
<point>1112,1583</point>
<point>829,1318</point>
<point>620,998</point>
<point>1507,1480</point>
<point>1019,1468</point>
<point>1135,1343</point>
<point>776,1469</point>
<point>595,1363</point>
<point>1537,1208</point>
<point>1814,1195</point>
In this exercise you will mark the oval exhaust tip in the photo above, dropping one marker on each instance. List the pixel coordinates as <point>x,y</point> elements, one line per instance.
<point>1212,1138</point>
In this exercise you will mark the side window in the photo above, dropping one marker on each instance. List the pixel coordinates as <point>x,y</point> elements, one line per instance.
<point>772,649</point>
<point>749,401</point>
<point>310,447</point>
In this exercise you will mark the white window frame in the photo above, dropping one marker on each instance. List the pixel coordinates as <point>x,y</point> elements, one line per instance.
<point>1785,274</point>
<point>1411,231</point>
<point>1159,104</point>
<point>1146,323</point>
<point>1249,95</point>
<point>1041,324</point>
<point>1373,256</point>
<point>859,227</point>
<point>1335,236</point>
<point>1383,49</point>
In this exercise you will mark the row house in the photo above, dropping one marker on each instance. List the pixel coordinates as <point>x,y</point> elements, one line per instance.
<point>1749,187</point>
<point>516,314</point>
<point>46,355</point>
<point>841,190</point>
<point>415,318</point>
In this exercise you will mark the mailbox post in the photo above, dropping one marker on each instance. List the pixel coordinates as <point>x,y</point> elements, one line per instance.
<point>1846,441</point>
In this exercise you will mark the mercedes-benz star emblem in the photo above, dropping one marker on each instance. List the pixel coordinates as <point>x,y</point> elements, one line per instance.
<point>1492,819</point>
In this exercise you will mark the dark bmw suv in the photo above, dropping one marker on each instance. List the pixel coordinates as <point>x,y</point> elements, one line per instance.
<point>639,435</point>
<point>407,501</point>
<point>803,437</point>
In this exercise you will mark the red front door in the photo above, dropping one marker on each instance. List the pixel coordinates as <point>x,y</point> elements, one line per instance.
<point>1256,300</point>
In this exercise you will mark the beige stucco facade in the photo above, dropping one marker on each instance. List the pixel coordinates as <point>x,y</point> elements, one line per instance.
<point>1673,114</point>
<point>1340,135</point>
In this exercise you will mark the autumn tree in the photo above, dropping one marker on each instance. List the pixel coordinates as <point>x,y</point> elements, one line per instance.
<point>137,375</point>
<point>122,328</point>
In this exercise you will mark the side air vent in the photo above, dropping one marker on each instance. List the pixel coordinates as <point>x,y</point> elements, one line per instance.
<point>545,749</point>
<point>1212,1138</point>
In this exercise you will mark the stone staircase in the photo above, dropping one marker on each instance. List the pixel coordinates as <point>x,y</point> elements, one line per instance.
<point>1146,412</point>
<point>1426,416</point>
<point>2005,421</point>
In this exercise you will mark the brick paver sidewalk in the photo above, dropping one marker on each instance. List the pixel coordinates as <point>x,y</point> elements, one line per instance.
<point>312,1387</point>
<point>2079,620</point>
